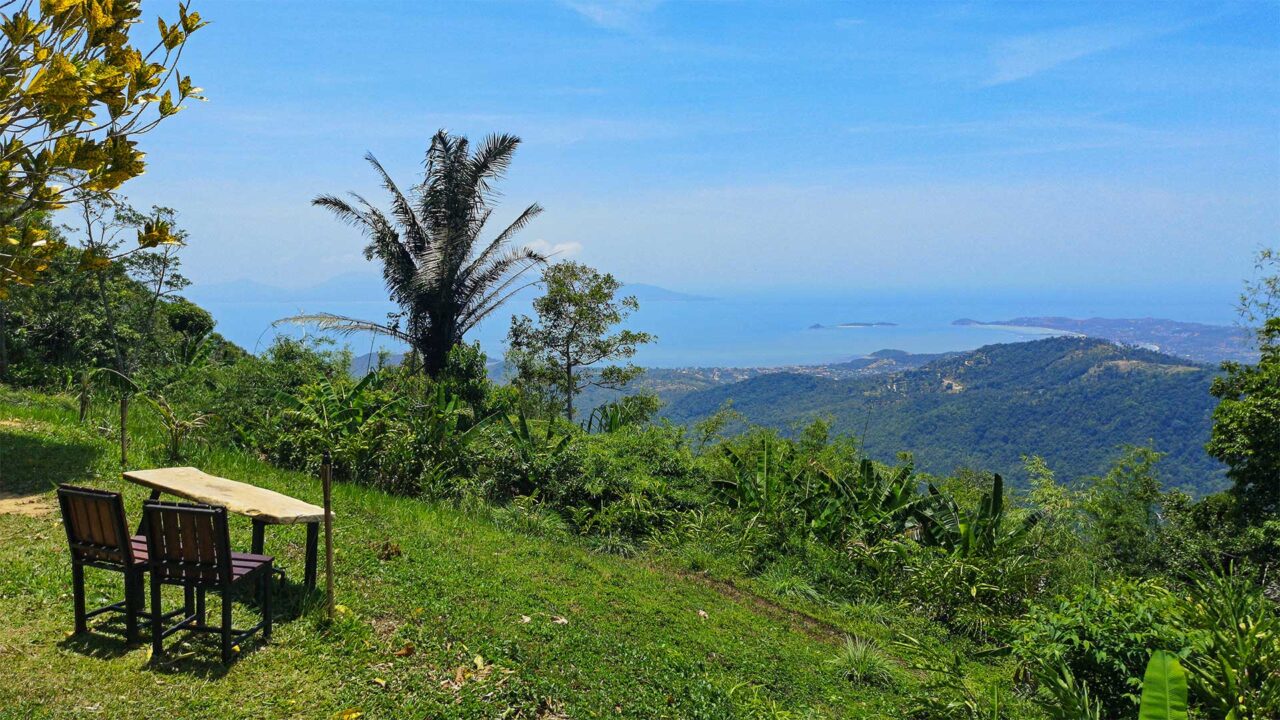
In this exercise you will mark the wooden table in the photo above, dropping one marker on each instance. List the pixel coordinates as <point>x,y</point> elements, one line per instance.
<point>264,507</point>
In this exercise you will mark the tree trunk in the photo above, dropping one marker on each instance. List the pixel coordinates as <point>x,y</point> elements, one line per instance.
<point>568,391</point>
<point>84,395</point>
<point>122,367</point>
<point>4,346</point>
<point>124,431</point>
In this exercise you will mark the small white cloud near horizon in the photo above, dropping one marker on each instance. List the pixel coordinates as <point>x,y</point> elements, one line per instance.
<point>613,14</point>
<point>562,250</point>
<point>1022,57</point>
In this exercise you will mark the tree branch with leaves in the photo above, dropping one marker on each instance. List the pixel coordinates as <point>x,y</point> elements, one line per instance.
<point>75,94</point>
<point>566,349</point>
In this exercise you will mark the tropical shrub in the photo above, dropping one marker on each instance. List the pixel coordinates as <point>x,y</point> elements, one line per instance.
<point>1100,638</point>
<point>1234,662</point>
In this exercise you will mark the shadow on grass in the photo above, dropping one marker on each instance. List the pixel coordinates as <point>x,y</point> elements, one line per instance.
<point>103,640</point>
<point>37,463</point>
<point>197,654</point>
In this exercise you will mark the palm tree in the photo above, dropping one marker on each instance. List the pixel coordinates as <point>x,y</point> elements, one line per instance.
<point>443,277</point>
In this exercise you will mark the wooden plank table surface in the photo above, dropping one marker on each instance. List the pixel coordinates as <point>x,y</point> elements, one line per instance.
<point>263,506</point>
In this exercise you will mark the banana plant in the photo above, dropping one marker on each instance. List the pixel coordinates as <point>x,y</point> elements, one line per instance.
<point>535,449</point>
<point>1164,689</point>
<point>760,483</point>
<point>335,409</point>
<point>874,501</point>
<point>177,426</point>
<point>438,425</point>
<point>981,531</point>
<point>611,417</point>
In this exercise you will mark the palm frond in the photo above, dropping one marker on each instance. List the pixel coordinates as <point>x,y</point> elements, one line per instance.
<point>342,325</point>
<point>488,305</point>
<point>342,209</point>
<point>401,208</point>
<point>510,264</point>
<point>503,238</point>
<point>491,162</point>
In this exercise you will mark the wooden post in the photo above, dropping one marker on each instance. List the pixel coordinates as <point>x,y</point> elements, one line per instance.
<point>326,479</point>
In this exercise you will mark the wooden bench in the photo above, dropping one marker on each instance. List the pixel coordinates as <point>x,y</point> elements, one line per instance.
<point>264,507</point>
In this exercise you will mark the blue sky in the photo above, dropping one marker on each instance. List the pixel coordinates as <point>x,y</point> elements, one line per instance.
<point>725,147</point>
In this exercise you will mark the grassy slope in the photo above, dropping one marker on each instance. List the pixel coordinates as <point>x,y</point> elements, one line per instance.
<point>635,644</point>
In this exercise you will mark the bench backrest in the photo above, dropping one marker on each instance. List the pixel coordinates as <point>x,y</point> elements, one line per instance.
<point>96,528</point>
<point>188,544</point>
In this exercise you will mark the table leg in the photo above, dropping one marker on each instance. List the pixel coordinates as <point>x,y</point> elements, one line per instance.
<point>259,537</point>
<point>313,537</point>
<point>142,524</point>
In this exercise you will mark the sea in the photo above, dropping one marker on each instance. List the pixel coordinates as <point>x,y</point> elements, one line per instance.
<point>773,329</point>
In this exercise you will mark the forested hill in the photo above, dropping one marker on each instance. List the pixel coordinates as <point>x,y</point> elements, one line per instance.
<point>1074,401</point>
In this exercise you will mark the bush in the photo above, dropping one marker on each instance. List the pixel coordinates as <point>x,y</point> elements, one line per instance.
<point>1102,636</point>
<point>1234,661</point>
<point>862,662</point>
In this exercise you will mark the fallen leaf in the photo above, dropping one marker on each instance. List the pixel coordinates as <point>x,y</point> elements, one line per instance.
<point>380,682</point>
<point>341,609</point>
<point>405,651</point>
<point>702,614</point>
<point>525,619</point>
<point>350,714</point>
<point>559,620</point>
<point>479,661</point>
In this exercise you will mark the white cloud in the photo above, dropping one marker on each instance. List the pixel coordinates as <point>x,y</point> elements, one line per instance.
<point>561,250</point>
<point>613,14</point>
<point>1023,57</point>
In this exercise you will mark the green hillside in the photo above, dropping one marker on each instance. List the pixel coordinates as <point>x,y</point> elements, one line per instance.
<point>1073,401</point>
<point>449,614</point>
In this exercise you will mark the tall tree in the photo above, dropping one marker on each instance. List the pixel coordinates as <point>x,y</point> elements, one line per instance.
<point>1246,423</point>
<point>104,219</point>
<point>75,94</point>
<point>436,267</point>
<point>571,339</point>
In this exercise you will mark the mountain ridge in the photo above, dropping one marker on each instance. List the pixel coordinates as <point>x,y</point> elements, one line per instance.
<point>1075,401</point>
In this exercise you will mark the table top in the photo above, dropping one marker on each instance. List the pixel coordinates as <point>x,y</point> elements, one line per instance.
<point>261,504</point>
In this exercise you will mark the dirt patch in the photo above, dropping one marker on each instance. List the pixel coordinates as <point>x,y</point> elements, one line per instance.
<point>25,505</point>
<point>385,626</point>
<point>811,626</point>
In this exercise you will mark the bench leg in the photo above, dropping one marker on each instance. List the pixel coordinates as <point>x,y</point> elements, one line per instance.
<point>200,607</point>
<point>77,593</point>
<point>132,605</point>
<point>226,625</point>
<point>157,620</point>
<point>313,540</point>
<point>265,585</point>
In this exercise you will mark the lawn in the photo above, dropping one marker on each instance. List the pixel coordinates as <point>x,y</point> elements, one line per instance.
<point>443,613</point>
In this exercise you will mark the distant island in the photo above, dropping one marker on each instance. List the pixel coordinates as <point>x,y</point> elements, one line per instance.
<point>1193,341</point>
<point>820,326</point>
